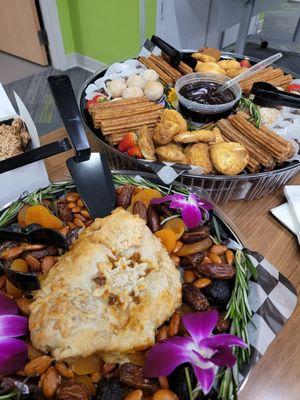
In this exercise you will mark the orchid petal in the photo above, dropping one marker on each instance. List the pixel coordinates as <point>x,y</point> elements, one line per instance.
<point>191,215</point>
<point>205,378</point>
<point>222,340</point>
<point>178,201</point>
<point>224,358</point>
<point>13,326</point>
<point>164,357</point>
<point>205,204</point>
<point>7,306</point>
<point>13,355</point>
<point>193,199</point>
<point>200,324</point>
<point>162,199</point>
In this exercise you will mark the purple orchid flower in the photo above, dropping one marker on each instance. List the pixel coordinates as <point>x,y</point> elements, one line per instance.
<point>13,352</point>
<point>191,208</point>
<point>206,352</point>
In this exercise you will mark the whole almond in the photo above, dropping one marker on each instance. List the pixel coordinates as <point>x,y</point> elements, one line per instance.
<point>214,257</point>
<point>78,223</point>
<point>50,381</point>
<point>64,370</point>
<point>23,305</point>
<point>219,249</point>
<point>189,276</point>
<point>135,395</point>
<point>33,352</point>
<point>71,205</point>
<point>47,263</point>
<point>76,209</point>
<point>72,197</point>
<point>80,216</point>
<point>38,365</point>
<point>80,203</point>
<point>2,281</point>
<point>174,324</point>
<point>162,333</point>
<point>86,214</point>
<point>32,262</point>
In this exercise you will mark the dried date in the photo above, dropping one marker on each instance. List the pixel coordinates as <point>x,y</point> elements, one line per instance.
<point>153,220</point>
<point>71,390</point>
<point>63,211</point>
<point>140,209</point>
<point>216,271</point>
<point>47,251</point>
<point>132,376</point>
<point>125,196</point>
<point>194,298</point>
<point>195,235</point>
<point>192,260</point>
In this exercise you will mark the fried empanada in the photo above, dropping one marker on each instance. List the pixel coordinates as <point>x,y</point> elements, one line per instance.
<point>198,154</point>
<point>229,158</point>
<point>202,135</point>
<point>229,64</point>
<point>175,116</point>
<point>164,132</point>
<point>233,72</point>
<point>203,57</point>
<point>209,67</point>
<point>219,137</point>
<point>146,144</point>
<point>172,152</point>
<point>211,51</point>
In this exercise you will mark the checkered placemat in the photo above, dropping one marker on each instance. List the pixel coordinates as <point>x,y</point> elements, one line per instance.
<point>272,299</point>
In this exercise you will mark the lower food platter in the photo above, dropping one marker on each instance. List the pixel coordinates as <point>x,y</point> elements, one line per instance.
<point>163,271</point>
<point>251,183</point>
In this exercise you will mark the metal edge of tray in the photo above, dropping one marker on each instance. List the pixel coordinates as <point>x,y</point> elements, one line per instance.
<point>143,164</point>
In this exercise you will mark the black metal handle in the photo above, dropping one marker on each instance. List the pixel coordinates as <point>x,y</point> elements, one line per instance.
<point>174,55</point>
<point>268,94</point>
<point>31,156</point>
<point>65,100</point>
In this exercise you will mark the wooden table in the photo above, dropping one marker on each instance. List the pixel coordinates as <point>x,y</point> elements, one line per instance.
<point>276,376</point>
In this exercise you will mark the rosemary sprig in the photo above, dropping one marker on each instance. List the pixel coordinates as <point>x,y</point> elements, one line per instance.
<point>33,198</point>
<point>255,117</point>
<point>239,312</point>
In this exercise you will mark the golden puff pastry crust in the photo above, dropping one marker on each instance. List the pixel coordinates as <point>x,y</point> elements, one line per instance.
<point>211,51</point>
<point>201,135</point>
<point>229,64</point>
<point>108,294</point>
<point>209,66</point>
<point>175,116</point>
<point>229,158</point>
<point>203,57</point>
<point>172,152</point>
<point>198,154</point>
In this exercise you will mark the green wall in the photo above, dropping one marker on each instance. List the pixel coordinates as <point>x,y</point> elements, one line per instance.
<point>106,30</point>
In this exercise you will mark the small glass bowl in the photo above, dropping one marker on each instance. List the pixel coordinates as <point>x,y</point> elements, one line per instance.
<point>206,109</point>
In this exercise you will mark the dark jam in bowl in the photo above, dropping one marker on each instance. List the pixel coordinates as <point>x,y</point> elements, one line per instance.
<point>206,93</point>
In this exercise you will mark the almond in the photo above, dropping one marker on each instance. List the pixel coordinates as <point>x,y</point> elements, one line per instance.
<point>23,305</point>
<point>218,249</point>
<point>2,281</point>
<point>32,262</point>
<point>162,333</point>
<point>47,263</point>
<point>49,382</point>
<point>96,377</point>
<point>78,223</point>
<point>174,324</point>
<point>214,257</point>
<point>229,257</point>
<point>135,395</point>
<point>189,276</point>
<point>64,370</point>
<point>38,365</point>
<point>33,352</point>
<point>164,394</point>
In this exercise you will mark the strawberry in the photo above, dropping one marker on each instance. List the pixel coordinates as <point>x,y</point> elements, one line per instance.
<point>128,141</point>
<point>294,87</point>
<point>93,100</point>
<point>135,151</point>
<point>245,64</point>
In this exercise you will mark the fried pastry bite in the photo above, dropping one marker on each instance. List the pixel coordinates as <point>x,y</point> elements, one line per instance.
<point>209,67</point>
<point>203,57</point>
<point>201,135</point>
<point>229,64</point>
<point>146,144</point>
<point>211,51</point>
<point>172,152</point>
<point>164,132</point>
<point>198,154</point>
<point>175,116</point>
<point>229,158</point>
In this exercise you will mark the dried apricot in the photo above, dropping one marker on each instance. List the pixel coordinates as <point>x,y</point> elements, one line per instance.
<point>21,215</point>
<point>19,265</point>
<point>146,195</point>
<point>229,256</point>
<point>167,237</point>
<point>177,226</point>
<point>41,215</point>
<point>196,247</point>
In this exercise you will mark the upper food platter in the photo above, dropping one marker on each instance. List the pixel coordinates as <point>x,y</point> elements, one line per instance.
<point>196,157</point>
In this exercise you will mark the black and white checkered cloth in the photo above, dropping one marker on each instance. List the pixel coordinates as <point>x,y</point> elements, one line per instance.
<point>272,299</point>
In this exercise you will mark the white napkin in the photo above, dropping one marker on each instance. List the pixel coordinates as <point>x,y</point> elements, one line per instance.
<point>289,213</point>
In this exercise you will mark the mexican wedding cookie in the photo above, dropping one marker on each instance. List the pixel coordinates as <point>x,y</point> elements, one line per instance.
<point>108,294</point>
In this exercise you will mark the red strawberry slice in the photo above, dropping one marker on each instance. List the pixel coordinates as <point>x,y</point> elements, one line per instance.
<point>135,152</point>
<point>128,141</point>
<point>245,64</point>
<point>294,87</point>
